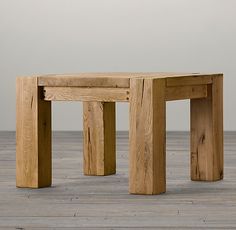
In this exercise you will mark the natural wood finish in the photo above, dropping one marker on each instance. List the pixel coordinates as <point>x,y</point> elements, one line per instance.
<point>33,135</point>
<point>99,138</point>
<point>121,80</point>
<point>207,134</point>
<point>190,80</point>
<point>117,94</point>
<point>186,92</point>
<point>85,80</point>
<point>147,136</point>
<point>147,94</point>
<point>85,94</point>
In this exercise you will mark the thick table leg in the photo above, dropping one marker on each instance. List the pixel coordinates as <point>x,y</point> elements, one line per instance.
<point>147,136</point>
<point>33,135</point>
<point>207,134</point>
<point>99,138</point>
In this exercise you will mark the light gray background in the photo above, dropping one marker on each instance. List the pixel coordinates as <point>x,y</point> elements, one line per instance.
<point>66,36</point>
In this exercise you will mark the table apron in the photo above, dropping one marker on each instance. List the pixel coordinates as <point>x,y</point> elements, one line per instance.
<point>118,94</point>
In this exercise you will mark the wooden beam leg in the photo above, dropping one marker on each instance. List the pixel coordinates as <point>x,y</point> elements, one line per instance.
<point>33,135</point>
<point>147,136</point>
<point>99,138</point>
<point>207,134</point>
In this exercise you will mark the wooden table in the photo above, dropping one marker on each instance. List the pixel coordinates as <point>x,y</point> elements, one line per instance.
<point>147,94</point>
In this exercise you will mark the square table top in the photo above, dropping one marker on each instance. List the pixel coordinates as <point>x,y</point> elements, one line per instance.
<point>117,80</point>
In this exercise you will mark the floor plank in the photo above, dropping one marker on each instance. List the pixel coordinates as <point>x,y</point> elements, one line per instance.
<point>76,201</point>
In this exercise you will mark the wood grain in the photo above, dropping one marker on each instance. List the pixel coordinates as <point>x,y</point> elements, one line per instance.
<point>84,80</point>
<point>147,136</point>
<point>149,92</point>
<point>122,80</point>
<point>86,94</point>
<point>99,138</point>
<point>207,134</point>
<point>186,92</point>
<point>33,135</point>
<point>190,80</point>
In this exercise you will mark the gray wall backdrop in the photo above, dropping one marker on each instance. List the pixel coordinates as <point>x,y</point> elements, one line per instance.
<point>65,36</point>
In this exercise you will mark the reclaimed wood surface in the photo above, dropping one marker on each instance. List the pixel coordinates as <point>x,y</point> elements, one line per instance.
<point>207,134</point>
<point>185,92</point>
<point>147,136</point>
<point>149,93</point>
<point>122,80</point>
<point>86,94</point>
<point>99,127</point>
<point>76,201</point>
<point>33,135</point>
<point>190,80</point>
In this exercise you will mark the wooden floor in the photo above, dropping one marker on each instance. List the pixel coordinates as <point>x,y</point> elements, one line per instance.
<point>83,202</point>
